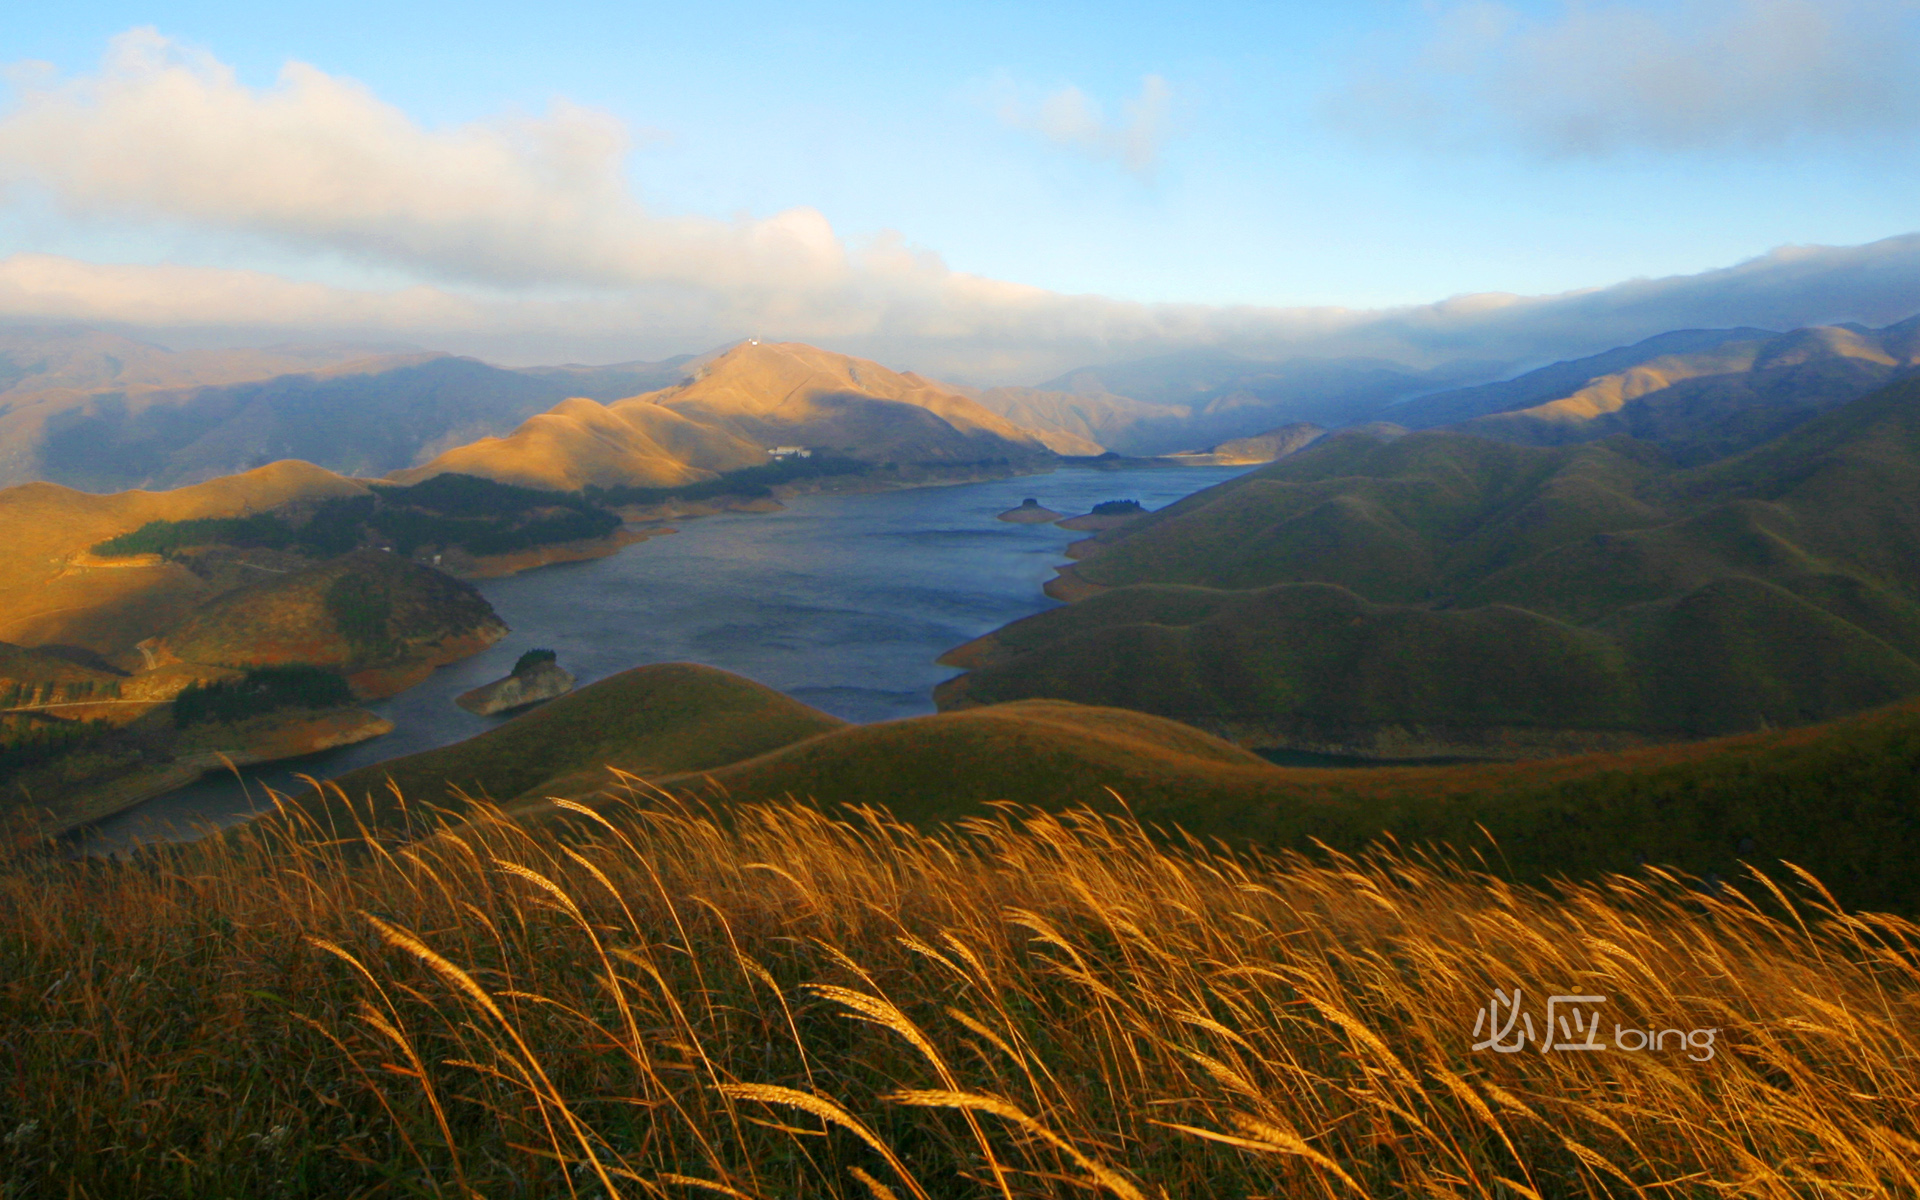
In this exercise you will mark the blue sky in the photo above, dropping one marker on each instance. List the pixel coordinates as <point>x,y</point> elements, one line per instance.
<point>1360,156</point>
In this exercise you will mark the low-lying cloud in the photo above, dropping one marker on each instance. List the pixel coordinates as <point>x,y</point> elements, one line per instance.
<point>1594,80</point>
<point>971,329</point>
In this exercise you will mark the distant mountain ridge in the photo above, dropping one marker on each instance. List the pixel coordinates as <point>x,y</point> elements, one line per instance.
<point>1701,394</point>
<point>104,413</point>
<point>76,358</point>
<point>1194,399</point>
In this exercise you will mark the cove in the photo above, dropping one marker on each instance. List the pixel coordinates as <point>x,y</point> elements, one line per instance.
<point>840,601</point>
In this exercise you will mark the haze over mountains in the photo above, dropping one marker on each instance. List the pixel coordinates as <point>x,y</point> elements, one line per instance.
<point>104,412</point>
<point>1197,398</point>
<point>1700,393</point>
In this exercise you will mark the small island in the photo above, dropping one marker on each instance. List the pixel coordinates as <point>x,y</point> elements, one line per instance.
<point>536,677</point>
<point>1108,514</point>
<point>1030,512</point>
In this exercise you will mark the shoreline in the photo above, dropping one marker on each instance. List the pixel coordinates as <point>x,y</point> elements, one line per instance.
<point>271,740</point>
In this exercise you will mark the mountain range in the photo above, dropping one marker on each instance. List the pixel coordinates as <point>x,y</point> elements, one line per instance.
<point>1701,394</point>
<point>1445,594</point>
<point>102,412</point>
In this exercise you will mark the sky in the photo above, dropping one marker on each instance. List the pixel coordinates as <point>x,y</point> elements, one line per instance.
<point>994,191</point>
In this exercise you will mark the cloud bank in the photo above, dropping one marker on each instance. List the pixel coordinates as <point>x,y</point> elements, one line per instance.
<point>526,243</point>
<point>1594,80</point>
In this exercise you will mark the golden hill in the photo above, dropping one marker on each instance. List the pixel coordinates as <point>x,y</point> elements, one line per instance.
<point>580,442</point>
<point>732,409</point>
<point>52,591</point>
<point>777,392</point>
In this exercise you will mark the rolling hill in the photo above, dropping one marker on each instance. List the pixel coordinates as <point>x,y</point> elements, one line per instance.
<point>580,442</point>
<point>54,591</point>
<point>788,393</point>
<point>377,618</point>
<point>1837,798</point>
<point>652,721</point>
<point>1442,594</point>
<point>1081,423</point>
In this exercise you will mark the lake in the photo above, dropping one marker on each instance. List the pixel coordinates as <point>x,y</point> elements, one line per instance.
<point>840,601</point>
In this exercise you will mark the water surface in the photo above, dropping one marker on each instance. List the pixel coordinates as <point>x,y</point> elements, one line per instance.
<point>842,602</point>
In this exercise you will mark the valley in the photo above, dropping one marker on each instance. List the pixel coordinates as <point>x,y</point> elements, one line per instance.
<point>1643,642</point>
<point>991,602</point>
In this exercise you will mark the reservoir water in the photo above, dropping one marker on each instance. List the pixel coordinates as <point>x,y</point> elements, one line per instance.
<point>841,601</point>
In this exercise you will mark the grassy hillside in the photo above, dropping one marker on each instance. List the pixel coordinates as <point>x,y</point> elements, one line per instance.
<point>1045,1006</point>
<point>580,443</point>
<point>730,408</point>
<point>376,617</point>
<point>52,589</point>
<point>1840,798</point>
<point>652,721</point>
<point>1441,593</point>
<point>793,394</point>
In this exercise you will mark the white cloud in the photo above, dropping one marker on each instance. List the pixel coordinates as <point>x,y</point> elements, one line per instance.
<point>1593,80</point>
<point>162,131</point>
<point>526,244</point>
<point>1072,120</point>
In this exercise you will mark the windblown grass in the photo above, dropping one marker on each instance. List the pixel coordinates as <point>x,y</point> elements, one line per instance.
<point>663,1002</point>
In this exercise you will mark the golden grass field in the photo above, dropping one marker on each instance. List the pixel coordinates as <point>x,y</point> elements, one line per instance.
<point>778,1001</point>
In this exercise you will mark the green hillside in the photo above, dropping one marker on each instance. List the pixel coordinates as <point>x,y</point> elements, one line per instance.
<point>1841,799</point>
<point>1446,594</point>
<point>381,619</point>
<point>652,721</point>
